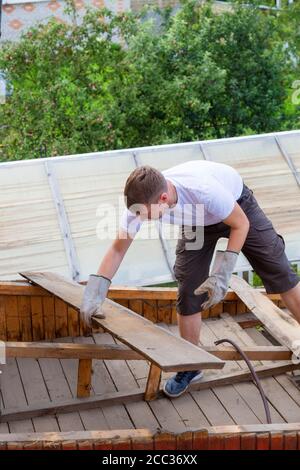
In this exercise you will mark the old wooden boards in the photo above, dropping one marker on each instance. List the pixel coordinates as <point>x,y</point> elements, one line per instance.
<point>163,349</point>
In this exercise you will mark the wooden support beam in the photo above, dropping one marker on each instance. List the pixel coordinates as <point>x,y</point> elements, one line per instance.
<point>71,351</point>
<point>84,378</point>
<point>259,353</point>
<point>279,323</point>
<point>153,383</point>
<point>77,404</point>
<point>121,352</point>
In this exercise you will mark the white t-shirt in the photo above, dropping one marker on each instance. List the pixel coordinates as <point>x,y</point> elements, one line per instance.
<point>206,192</point>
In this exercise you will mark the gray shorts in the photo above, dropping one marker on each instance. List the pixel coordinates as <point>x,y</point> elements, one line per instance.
<point>264,248</point>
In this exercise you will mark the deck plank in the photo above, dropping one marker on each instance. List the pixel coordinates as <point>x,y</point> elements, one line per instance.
<point>229,395</point>
<point>123,379</point>
<point>82,418</point>
<point>248,390</point>
<point>13,395</point>
<point>186,406</point>
<point>36,392</point>
<point>283,393</point>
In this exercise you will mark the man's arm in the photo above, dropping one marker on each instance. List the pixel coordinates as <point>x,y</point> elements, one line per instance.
<point>239,223</point>
<point>98,284</point>
<point>216,285</point>
<point>114,255</point>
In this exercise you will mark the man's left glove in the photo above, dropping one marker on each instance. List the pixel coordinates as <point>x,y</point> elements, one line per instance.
<point>218,282</point>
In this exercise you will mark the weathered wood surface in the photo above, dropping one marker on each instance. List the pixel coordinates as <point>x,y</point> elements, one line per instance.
<point>167,351</point>
<point>279,323</point>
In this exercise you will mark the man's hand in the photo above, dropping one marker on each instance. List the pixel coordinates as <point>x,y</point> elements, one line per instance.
<point>94,295</point>
<point>216,285</point>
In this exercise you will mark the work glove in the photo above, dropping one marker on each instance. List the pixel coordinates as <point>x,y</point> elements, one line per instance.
<point>216,285</point>
<point>94,295</point>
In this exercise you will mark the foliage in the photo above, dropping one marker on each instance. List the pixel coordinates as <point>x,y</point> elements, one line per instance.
<point>119,81</point>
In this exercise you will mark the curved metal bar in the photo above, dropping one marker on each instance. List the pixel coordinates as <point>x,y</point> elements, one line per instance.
<point>254,376</point>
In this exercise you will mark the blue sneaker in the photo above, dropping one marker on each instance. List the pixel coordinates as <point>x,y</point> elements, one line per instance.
<point>177,385</point>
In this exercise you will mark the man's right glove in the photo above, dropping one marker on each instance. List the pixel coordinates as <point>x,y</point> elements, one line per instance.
<point>94,295</point>
<point>216,285</point>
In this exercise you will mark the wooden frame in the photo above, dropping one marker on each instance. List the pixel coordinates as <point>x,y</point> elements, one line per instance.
<point>224,437</point>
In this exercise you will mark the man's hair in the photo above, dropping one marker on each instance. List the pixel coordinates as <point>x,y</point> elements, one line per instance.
<point>144,186</point>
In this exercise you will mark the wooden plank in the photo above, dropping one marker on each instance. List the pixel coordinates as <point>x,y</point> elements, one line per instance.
<point>13,332</point>
<point>2,319</point>
<point>24,309</point>
<point>253,398</point>
<point>58,389</point>
<point>187,406</point>
<point>49,317</point>
<point>70,350</point>
<point>36,391</point>
<point>38,331</point>
<point>61,318</point>
<point>136,306</point>
<point>153,383</point>
<point>66,406</point>
<point>84,418</point>
<point>280,324</point>
<point>84,377</point>
<point>14,396</point>
<point>99,438</point>
<point>122,379</point>
<point>94,418</point>
<point>281,392</point>
<point>73,322</point>
<point>23,287</point>
<point>164,311</point>
<point>159,346</point>
<point>150,310</point>
<point>254,353</point>
<point>233,401</point>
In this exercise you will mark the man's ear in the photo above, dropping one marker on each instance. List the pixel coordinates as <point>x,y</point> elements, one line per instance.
<point>163,197</point>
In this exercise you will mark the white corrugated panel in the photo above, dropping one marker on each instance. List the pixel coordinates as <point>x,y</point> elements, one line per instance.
<point>266,171</point>
<point>89,189</point>
<point>92,191</point>
<point>30,236</point>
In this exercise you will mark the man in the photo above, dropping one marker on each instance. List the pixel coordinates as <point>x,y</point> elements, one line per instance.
<point>229,210</point>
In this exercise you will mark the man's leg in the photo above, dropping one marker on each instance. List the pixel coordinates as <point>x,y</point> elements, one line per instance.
<point>190,327</point>
<point>291,298</point>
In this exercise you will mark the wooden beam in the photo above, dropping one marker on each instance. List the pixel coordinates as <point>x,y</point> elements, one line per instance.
<point>267,353</point>
<point>153,383</point>
<point>122,352</point>
<point>155,344</point>
<point>77,404</point>
<point>22,287</point>
<point>279,323</point>
<point>84,378</point>
<point>142,436</point>
<point>217,380</point>
<point>71,351</point>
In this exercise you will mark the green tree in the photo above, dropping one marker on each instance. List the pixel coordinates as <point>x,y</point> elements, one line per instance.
<point>117,81</point>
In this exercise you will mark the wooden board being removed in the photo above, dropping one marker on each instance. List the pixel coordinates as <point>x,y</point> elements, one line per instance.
<point>161,347</point>
<point>279,323</point>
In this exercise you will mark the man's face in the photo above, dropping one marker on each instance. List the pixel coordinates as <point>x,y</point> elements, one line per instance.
<point>152,211</point>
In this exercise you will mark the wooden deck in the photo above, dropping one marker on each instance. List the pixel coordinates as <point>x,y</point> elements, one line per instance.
<point>31,381</point>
